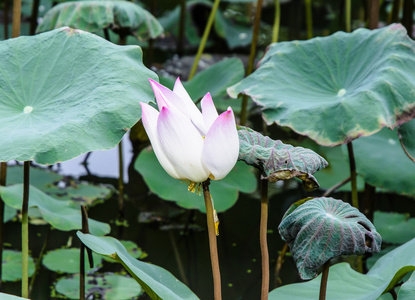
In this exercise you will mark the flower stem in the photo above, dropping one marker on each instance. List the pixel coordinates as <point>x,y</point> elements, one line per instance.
<point>374,14</point>
<point>120,186</point>
<point>279,264</point>
<point>17,9</point>
<point>257,21</point>
<point>276,27</point>
<point>353,177</point>
<point>309,18</point>
<point>263,240</point>
<point>348,15</point>
<point>25,230</point>
<point>85,229</point>
<point>212,241</point>
<point>3,176</point>
<point>204,38</point>
<point>324,278</point>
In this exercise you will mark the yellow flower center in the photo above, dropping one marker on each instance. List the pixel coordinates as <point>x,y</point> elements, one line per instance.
<point>194,187</point>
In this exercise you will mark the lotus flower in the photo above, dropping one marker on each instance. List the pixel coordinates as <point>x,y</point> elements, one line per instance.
<point>190,145</point>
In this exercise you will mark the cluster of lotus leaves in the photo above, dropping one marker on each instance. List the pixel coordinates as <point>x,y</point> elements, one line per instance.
<point>279,161</point>
<point>324,228</point>
<point>66,92</point>
<point>122,17</point>
<point>335,89</point>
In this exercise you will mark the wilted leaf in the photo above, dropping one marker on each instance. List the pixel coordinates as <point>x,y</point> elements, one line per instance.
<point>323,228</point>
<point>122,17</point>
<point>277,160</point>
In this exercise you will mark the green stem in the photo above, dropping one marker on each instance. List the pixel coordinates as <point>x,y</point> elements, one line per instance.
<point>204,38</point>
<point>348,15</point>
<point>263,240</point>
<point>25,230</point>
<point>309,18</point>
<point>3,177</point>
<point>353,176</point>
<point>336,186</point>
<point>404,149</point>
<point>324,278</point>
<point>212,241</point>
<point>39,261</point>
<point>257,21</point>
<point>17,9</point>
<point>85,229</point>
<point>276,27</point>
<point>120,183</point>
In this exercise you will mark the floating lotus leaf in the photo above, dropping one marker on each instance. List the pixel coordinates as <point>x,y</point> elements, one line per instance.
<point>335,89</point>
<point>224,192</point>
<point>123,17</point>
<point>277,160</point>
<point>394,228</point>
<point>67,92</point>
<point>4,296</point>
<point>39,177</point>
<point>324,228</point>
<point>66,260</point>
<point>156,281</point>
<point>381,162</point>
<point>101,286</point>
<point>9,213</point>
<point>407,135</point>
<point>57,213</point>
<point>12,266</point>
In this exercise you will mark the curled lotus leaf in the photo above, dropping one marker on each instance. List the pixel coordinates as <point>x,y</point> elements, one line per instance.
<point>324,228</point>
<point>122,17</point>
<point>335,89</point>
<point>277,160</point>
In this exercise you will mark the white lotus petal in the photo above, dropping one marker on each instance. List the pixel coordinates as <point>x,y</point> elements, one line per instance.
<point>193,112</point>
<point>208,110</point>
<point>221,147</point>
<point>166,97</point>
<point>182,144</point>
<point>149,117</point>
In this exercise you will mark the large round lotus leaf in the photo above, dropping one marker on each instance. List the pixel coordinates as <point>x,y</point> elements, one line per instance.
<point>100,286</point>
<point>12,266</point>
<point>67,260</point>
<point>381,161</point>
<point>123,17</point>
<point>67,92</point>
<point>324,228</point>
<point>277,160</point>
<point>39,177</point>
<point>394,228</point>
<point>224,192</point>
<point>335,89</point>
<point>58,213</point>
<point>407,136</point>
<point>346,284</point>
<point>407,290</point>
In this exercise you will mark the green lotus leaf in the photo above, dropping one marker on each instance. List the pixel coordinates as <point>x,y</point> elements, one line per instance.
<point>394,228</point>
<point>66,260</point>
<point>407,290</point>
<point>57,213</point>
<point>224,192</point>
<point>12,266</point>
<point>323,228</point>
<point>4,296</point>
<point>335,89</point>
<point>346,284</point>
<point>157,282</point>
<point>407,136</point>
<point>381,162</point>
<point>101,286</point>
<point>67,92</point>
<point>39,177</point>
<point>277,160</point>
<point>123,17</point>
<point>9,213</point>
<point>132,249</point>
